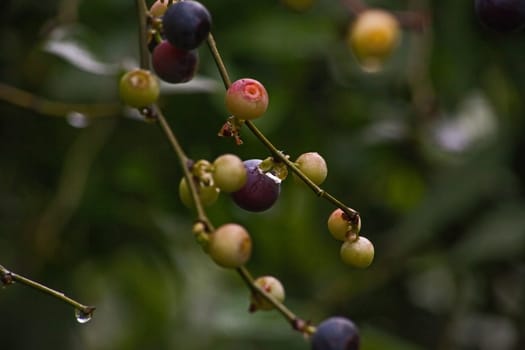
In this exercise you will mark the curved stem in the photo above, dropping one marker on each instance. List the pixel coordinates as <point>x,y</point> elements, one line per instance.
<point>7,277</point>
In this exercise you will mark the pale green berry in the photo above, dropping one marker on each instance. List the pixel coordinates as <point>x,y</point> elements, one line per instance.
<point>230,246</point>
<point>270,285</point>
<point>207,194</point>
<point>358,252</point>
<point>229,173</point>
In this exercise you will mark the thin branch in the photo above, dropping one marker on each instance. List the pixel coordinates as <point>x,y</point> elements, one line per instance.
<point>44,106</point>
<point>8,277</point>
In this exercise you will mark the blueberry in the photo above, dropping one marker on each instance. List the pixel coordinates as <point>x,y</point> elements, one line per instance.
<point>186,24</point>
<point>260,191</point>
<point>336,333</point>
<point>501,15</point>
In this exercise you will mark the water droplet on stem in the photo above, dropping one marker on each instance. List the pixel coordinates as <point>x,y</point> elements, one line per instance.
<point>83,316</point>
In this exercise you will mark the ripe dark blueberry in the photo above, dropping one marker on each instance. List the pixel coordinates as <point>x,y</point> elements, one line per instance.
<point>501,15</point>
<point>186,24</point>
<point>174,65</point>
<point>336,333</point>
<point>260,191</point>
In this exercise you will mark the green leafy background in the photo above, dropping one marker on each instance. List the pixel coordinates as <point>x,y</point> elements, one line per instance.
<point>430,151</point>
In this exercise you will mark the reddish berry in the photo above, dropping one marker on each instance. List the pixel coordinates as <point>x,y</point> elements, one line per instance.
<point>270,285</point>
<point>358,253</point>
<point>229,173</point>
<point>186,24</point>
<point>260,191</point>
<point>340,227</point>
<point>336,333</point>
<point>230,246</point>
<point>174,65</point>
<point>207,194</point>
<point>246,99</point>
<point>313,166</point>
<point>139,88</point>
<point>373,36</point>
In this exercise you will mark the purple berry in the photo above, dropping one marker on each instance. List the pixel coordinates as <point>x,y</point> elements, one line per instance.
<point>336,333</point>
<point>174,65</point>
<point>186,24</point>
<point>501,15</point>
<point>260,191</point>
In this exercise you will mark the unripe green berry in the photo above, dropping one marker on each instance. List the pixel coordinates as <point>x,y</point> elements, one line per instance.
<point>313,165</point>
<point>358,253</point>
<point>270,285</point>
<point>207,194</point>
<point>230,246</point>
<point>340,227</point>
<point>229,173</point>
<point>246,99</point>
<point>139,88</point>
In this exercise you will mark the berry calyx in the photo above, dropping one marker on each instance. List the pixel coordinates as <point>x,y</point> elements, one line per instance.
<point>139,88</point>
<point>270,285</point>
<point>501,15</point>
<point>358,252</point>
<point>373,36</point>
<point>229,173</point>
<point>336,333</point>
<point>340,227</point>
<point>313,165</point>
<point>174,65</point>
<point>186,24</point>
<point>230,246</point>
<point>207,194</point>
<point>247,99</point>
<point>261,190</point>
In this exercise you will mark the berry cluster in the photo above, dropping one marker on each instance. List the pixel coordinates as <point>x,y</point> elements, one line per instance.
<point>176,31</point>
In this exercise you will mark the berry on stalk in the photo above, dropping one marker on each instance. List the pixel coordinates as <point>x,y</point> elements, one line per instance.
<point>340,227</point>
<point>186,24</point>
<point>174,65</point>
<point>270,285</point>
<point>207,194</point>
<point>229,173</point>
<point>247,99</point>
<point>358,252</point>
<point>336,333</point>
<point>501,15</point>
<point>313,165</point>
<point>261,190</point>
<point>230,246</point>
<point>139,88</point>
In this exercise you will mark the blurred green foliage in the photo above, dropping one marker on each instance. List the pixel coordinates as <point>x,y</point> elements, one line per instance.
<point>430,151</point>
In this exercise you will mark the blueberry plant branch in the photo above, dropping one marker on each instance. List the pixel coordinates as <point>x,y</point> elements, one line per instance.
<point>352,214</point>
<point>297,323</point>
<point>8,277</point>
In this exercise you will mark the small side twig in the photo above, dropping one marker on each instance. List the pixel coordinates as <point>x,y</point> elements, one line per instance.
<point>8,278</point>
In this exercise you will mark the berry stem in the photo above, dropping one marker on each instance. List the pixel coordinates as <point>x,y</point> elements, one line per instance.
<point>7,278</point>
<point>218,60</point>
<point>142,11</point>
